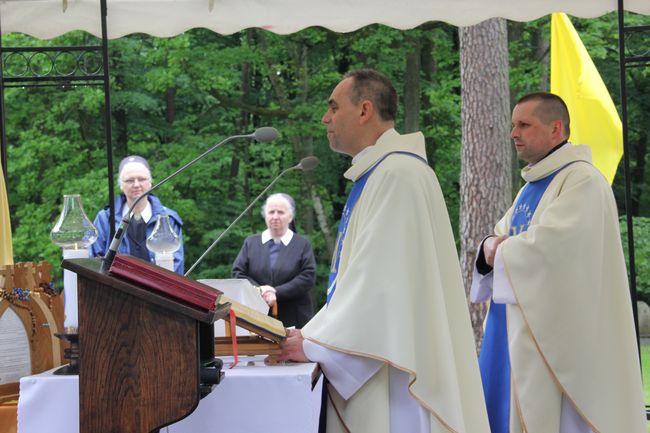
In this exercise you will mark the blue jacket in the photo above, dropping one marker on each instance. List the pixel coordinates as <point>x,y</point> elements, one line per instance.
<point>99,248</point>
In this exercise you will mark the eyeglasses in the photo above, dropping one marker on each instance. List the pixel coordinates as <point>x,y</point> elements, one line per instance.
<point>133,180</point>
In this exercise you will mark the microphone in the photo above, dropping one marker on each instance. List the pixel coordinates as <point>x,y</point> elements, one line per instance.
<point>262,135</point>
<point>306,164</point>
<point>265,134</point>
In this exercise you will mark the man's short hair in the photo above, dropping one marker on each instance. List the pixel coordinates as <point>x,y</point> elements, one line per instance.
<point>551,107</point>
<point>375,87</point>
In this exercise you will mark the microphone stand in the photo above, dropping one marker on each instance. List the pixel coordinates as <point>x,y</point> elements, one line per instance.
<point>308,163</point>
<point>262,134</point>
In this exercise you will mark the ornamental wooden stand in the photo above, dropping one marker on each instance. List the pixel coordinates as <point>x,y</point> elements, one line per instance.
<point>145,359</point>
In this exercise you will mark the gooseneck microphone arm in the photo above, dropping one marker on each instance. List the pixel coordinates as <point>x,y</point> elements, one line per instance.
<point>262,135</point>
<point>308,163</point>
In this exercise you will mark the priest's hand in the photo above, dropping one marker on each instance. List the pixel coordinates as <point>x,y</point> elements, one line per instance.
<point>490,246</point>
<point>291,349</point>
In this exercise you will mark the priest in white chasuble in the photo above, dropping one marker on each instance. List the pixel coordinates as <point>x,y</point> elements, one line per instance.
<point>559,353</point>
<point>394,339</point>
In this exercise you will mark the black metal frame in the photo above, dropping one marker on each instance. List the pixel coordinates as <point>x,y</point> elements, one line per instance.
<point>78,76</point>
<point>630,60</point>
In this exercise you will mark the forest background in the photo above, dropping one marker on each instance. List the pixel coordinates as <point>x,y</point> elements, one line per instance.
<point>172,98</point>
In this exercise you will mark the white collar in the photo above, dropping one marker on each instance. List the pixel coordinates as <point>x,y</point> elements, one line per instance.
<point>266,236</point>
<point>560,149</point>
<point>360,154</point>
<point>146,212</point>
<point>367,148</point>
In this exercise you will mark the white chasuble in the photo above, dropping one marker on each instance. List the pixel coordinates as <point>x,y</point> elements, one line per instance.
<point>571,331</point>
<point>400,300</point>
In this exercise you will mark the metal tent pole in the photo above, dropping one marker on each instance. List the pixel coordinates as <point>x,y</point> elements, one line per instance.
<point>107,121</point>
<point>626,167</point>
<point>3,134</point>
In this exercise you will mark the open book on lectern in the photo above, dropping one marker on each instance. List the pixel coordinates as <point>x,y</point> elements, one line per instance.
<point>195,294</point>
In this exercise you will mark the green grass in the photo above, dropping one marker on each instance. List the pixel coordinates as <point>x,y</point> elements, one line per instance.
<point>645,363</point>
<point>645,367</point>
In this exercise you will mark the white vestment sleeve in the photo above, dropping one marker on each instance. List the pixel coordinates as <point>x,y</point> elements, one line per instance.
<point>346,373</point>
<point>570,421</point>
<point>481,290</point>
<point>502,290</point>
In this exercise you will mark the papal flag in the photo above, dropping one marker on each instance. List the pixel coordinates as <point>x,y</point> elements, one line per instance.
<point>574,77</point>
<point>6,251</point>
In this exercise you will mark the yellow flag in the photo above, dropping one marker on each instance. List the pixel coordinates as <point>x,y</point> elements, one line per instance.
<point>6,250</point>
<point>574,77</point>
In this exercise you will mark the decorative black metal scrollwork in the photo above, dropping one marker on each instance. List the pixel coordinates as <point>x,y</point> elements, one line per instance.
<point>52,66</point>
<point>637,46</point>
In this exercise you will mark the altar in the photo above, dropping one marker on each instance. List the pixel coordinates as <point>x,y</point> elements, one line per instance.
<point>252,398</point>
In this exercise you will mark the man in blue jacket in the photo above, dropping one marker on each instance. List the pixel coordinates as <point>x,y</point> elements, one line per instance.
<point>135,178</point>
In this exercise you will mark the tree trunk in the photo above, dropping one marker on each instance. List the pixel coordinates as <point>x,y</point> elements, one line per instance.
<point>241,126</point>
<point>429,68</point>
<point>121,125</point>
<point>485,186</point>
<point>304,144</point>
<point>542,55</point>
<point>322,221</point>
<point>170,111</point>
<point>412,90</point>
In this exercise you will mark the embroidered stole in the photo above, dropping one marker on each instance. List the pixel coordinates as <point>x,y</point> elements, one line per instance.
<point>357,188</point>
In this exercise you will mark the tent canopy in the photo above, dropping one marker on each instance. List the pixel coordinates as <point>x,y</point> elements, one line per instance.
<point>46,19</point>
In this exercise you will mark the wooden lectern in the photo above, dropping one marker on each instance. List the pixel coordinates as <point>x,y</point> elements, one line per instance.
<point>145,359</point>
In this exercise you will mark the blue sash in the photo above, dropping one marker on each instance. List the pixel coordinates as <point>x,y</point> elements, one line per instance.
<point>494,360</point>
<point>357,188</point>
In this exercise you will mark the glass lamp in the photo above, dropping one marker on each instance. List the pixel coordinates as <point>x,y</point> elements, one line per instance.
<point>164,242</point>
<point>74,233</point>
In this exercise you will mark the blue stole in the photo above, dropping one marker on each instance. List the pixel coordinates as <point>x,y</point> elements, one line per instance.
<point>357,188</point>
<point>494,360</point>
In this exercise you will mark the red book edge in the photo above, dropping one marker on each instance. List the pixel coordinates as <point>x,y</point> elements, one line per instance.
<point>166,282</point>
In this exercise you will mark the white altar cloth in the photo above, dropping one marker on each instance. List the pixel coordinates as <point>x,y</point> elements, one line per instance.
<point>250,399</point>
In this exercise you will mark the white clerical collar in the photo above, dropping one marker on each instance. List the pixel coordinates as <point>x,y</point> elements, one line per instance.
<point>560,149</point>
<point>363,152</point>
<point>145,214</point>
<point>367,148</point>
<point>286,238</point>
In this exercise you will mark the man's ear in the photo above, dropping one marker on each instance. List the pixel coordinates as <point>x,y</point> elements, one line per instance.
<point>558,128</point>
<point>367,112</point>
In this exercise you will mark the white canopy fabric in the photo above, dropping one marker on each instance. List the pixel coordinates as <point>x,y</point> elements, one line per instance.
<point>49,18</point>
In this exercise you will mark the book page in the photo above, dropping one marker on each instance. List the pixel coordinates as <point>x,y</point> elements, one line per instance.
<point>258,320</point>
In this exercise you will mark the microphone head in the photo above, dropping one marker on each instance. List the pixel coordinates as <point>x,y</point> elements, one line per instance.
<point>265,134</point>
<point>308,163</point>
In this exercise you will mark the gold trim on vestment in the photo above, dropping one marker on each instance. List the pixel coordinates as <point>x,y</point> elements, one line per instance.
<point>541,353</point>
<point>388,362</point>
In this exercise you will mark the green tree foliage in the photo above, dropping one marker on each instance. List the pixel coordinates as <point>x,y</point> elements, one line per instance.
<point>641,231</point>
<point>173,98</point>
